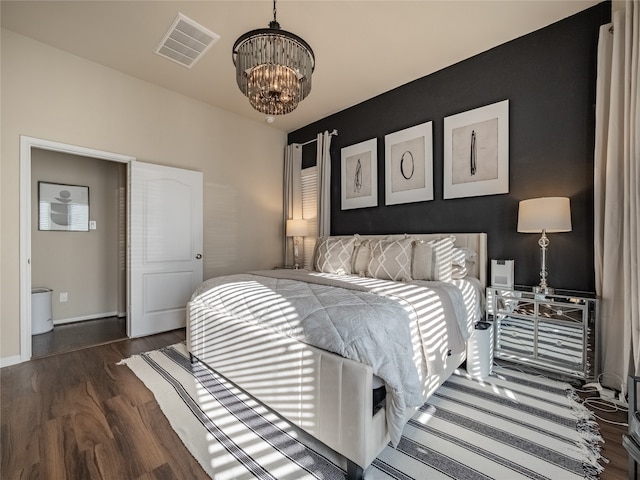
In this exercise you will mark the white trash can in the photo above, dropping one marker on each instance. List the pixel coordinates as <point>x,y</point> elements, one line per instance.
<point>480,351</point>
<point>41,319</point>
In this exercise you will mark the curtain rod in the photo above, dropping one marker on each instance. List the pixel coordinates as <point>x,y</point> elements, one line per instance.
<point>335,132</point>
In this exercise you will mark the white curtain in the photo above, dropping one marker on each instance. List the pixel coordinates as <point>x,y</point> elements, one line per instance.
<point>617,196</point>
<point>292,207</point>
<point>323,162</point>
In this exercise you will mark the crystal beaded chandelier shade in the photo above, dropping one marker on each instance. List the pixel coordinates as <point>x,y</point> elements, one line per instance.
<point>273,68</point>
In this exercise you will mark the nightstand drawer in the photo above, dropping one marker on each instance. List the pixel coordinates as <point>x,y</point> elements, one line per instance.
<point>509,306</point>
<point>515,336</point>
<point>561,344</point>
<point>565,312</point>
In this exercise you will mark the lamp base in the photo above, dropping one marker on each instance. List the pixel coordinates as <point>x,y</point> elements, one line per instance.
<point>544,290</point>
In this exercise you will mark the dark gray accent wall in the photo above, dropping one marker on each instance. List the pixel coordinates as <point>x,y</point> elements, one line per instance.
<point>549,79</point>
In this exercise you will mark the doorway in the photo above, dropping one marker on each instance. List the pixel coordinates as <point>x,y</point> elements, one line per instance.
<point>83,266</point>
<point>30,149</point>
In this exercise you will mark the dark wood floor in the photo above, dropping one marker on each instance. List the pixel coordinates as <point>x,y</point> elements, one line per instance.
<point>612,448</point>
<point>74,336</point>
<point>78,415</point>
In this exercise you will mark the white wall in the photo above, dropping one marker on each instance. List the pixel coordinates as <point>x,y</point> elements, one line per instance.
<point>49,94</point>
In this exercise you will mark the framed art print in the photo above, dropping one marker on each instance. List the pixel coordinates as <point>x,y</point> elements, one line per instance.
<point>476,152</point>
<point>359,165</point>
<point>408,160</point>
<point>63,207</point>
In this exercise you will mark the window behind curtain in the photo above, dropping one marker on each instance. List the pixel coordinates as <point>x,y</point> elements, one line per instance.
<point>310,212</point>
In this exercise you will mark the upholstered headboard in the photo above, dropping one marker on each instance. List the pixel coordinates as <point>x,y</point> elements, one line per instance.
<point>473,241</point>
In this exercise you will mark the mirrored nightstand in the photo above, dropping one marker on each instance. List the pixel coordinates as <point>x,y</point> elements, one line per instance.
<point>554,332</point>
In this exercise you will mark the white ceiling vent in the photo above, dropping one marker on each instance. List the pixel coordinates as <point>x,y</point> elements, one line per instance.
<point>186,41</point>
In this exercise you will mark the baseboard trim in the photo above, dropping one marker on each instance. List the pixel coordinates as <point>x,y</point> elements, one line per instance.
<point>83,318</point>
<point>8,361</point>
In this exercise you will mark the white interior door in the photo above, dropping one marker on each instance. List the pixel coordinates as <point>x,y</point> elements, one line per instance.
<point>165,246</point>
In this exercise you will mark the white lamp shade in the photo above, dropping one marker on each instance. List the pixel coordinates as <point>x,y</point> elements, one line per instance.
<point>297,228</point>
<point>552,214</point>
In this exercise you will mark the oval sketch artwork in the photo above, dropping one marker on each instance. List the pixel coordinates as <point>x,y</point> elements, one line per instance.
<point>407,165</point>
<point>475,152</point>
<point>358,174</point>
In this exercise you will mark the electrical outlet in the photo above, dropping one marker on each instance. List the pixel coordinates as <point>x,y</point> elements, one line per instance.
<point>64,297</point>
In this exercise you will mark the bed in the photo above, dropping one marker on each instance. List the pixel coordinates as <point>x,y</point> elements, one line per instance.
<point>348,350</point>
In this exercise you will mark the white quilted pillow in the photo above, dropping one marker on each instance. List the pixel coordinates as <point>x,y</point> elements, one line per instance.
<point>391,260</point>
<point>433,260</point>
<point>334,255</point>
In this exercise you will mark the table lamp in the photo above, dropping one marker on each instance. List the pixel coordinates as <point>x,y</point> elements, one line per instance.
<point>296,228</point>
<point>544,215</point>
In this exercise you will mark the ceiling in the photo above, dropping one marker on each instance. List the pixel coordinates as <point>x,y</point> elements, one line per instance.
<point>362,48</point>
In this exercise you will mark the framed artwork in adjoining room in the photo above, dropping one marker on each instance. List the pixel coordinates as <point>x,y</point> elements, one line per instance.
<point>476,152</point>
<point>359,167</point>
<point>408,161</point>
<point>63,207</point>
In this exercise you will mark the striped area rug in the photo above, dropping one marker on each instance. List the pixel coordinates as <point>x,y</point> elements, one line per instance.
<point>509,426</point>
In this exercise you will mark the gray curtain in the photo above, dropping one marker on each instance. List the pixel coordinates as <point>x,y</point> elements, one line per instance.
<point>323,162</point>
<point>292,207</point>
<point>617,196</point>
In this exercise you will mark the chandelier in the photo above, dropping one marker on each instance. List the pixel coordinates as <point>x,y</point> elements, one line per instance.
<point>273,68</point>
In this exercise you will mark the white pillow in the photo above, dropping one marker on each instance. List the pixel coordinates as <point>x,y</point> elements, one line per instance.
<point>462,262</point>
<point>334,255</point>
<point>361,256</point>
<point>458,257</point>
<point>391,260</point>
<point>461,255</point>
<point>433,260</point>
<point>458,272</point>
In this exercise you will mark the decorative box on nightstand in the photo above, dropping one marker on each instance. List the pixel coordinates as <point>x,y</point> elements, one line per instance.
<point>554,332</point>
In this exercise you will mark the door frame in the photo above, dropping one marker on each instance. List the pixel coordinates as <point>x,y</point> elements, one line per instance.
<point>26,145</point>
